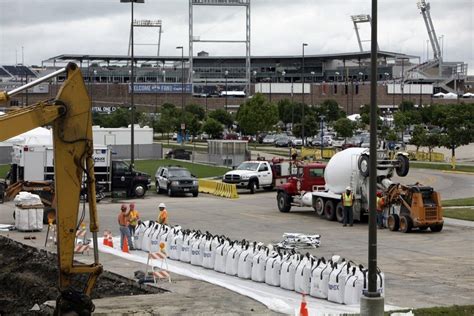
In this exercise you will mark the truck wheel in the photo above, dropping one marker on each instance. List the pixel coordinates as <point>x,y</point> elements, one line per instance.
<point>393,222</point>
<point>195,194</point>
<point>363,165</point>
<point>436,228</point>
<point>319,206</point>
<point>403,166</point>
<point>253,186</point>
<point>139,190</point>
<point>329,210</point>
<point>170,192</point>
<point>340,212</point>
<point>283,201</point>
<point>406,224</point>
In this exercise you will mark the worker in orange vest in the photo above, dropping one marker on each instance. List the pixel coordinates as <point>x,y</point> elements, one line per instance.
<point>380,207</point>
<point>347,200</point>
<point>123,221</point>
<point>134,217</point>
<point>163,215</point>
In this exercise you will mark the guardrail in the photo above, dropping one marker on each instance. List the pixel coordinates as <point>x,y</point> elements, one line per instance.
<point>315,153</point>
<point>218,188</point>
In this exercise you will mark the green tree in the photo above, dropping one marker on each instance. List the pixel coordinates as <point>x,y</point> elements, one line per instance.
<point>213,128</point>
<point>330,109</point>
<point>432,140</point>
<point>287,109</point>
<point>406,106</point>
<point>391,136</point>
<point>344,127</point>
<point>222,116</point>
<point>418,137</point>
<point>197,110</point>
<point>257,115</point>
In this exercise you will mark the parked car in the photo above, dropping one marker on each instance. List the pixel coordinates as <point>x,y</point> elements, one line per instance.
<point>174,180</point>
<point>338,142</point>
<point>178,153</point>
<point>296,141</point>
<point>269,139</point>
<point>283,141</point>
<point>327,141</point>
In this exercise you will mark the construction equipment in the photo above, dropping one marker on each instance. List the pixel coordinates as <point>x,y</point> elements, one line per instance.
<point>69,113</point>
<point>413,206</point>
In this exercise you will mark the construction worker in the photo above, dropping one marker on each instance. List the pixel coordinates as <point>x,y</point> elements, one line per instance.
<point>163,215</point>
<point>380,206</point>
<point>134,217</point>
<point>347,202</point>
<point>124,222</point>
<point>293,152</point>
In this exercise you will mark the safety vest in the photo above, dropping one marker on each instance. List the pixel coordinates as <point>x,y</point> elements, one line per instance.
<point>134,217</point>
<point>347,199</point>
<point>163,217</point>
<point>379,204</point>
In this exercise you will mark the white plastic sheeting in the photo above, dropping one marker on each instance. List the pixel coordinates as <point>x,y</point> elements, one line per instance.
<point>28,212</point>
<point>274,298</point>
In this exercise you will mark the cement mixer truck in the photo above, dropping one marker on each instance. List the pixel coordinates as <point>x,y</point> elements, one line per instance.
<point>350,167</point>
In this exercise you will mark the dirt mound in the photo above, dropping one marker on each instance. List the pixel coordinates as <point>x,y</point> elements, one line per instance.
<point>29,276</point>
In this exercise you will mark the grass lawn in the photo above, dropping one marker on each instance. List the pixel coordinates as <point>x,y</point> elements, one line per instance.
<point>200,171</point>
<point>466,214</point>
<point>454,310</point>
<point>441,166</point>
<point>459,202</point>
<point>3,170</point>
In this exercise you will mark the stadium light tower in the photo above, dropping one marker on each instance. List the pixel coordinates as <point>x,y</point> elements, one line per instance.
<point>132,79</point>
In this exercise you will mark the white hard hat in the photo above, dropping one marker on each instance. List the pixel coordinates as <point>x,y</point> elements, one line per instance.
<point>162,205</point>
<point>348,188</point>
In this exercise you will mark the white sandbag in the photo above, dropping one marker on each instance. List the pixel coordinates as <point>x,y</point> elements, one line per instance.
<point>303,275</point>
<point>166,239</point>
<point>147,235</point>
<point>24,198</point>
<point>232,261</point>
<point>221,256</point>
<point>244,270</point>
<point>138,235</point>
<point>258,265</point>
<point>175,246</point>
<point>272,269</point>
<point>185,255</point>
<point>29,219</point>
<point>337,282</point>
<point>353,289</point>
<point>156,238</point>
<point>381,282</point>
<point>320,278</point>
<point>287,272</point>
<point>209,255</point>
<point>197,250</point>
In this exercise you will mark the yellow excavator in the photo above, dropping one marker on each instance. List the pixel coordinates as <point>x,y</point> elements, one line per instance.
<point>69,114</point>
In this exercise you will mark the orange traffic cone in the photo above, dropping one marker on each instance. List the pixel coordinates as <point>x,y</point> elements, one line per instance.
<point>303,308</point>
<point>110,241</point>
<point>105,242</point>
<point>125,245</point>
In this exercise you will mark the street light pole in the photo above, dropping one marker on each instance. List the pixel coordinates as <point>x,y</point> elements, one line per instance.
<point>421,97</point>
<point>322,117</point>
<point>302,107</point>
<point>311,90</point>
<point>182,76</point>
<point>132,80</point>
<point>226,91</point>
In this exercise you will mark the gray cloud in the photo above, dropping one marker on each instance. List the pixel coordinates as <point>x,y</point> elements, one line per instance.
<point>49,28</point>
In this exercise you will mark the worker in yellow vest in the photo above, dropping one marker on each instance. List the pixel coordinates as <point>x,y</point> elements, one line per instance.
<point>134,217</point>
<point>347,202</point>
<point>163,215</point>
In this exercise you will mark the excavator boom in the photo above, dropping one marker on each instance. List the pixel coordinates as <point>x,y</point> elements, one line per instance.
<point>69,113</point>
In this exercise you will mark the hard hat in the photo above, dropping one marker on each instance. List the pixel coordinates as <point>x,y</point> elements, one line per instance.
<point>162,205</point>
<point>348,188</point>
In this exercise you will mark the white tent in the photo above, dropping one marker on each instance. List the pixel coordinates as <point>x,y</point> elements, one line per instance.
<point>354,117</point>
<point>439,95</point>
<point>468,95</point>
<point>450,95</point>
<point>37,136</point>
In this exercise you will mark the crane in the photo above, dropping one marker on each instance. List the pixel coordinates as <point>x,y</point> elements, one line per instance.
<point>69,113</point>
<point>425,11</point>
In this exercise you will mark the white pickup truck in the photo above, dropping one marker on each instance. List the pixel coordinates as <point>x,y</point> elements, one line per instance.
<point>251,175</point>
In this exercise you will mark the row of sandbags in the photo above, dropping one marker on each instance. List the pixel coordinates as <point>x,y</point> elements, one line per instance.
<point>336,279</point>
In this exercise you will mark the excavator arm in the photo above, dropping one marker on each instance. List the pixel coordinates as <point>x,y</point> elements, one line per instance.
<point>69,113</point>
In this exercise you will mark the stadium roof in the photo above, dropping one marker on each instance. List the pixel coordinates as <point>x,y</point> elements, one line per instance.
<point>141,59</point>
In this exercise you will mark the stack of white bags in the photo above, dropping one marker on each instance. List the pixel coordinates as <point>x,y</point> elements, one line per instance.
<point>28,212</point>
<point>336,280</point>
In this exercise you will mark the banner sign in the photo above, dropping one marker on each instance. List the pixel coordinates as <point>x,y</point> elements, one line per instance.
<point>159,88</point>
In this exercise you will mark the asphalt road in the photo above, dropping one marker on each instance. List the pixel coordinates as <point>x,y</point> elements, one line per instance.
<point>422,268</point>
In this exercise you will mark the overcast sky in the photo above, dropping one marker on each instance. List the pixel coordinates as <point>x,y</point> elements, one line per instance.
<point>47,28</point>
